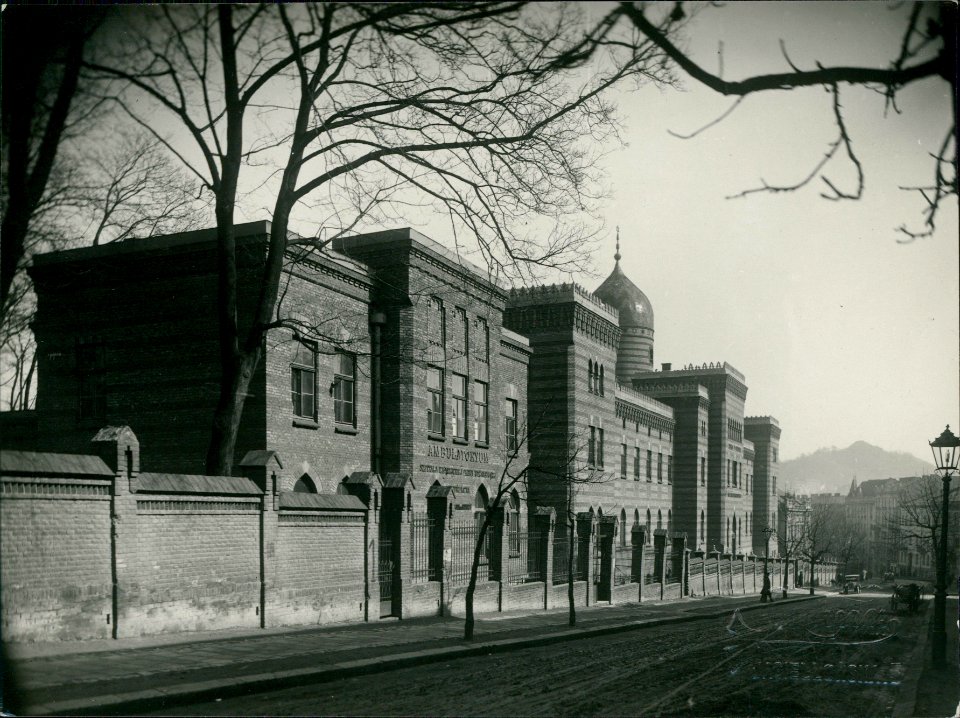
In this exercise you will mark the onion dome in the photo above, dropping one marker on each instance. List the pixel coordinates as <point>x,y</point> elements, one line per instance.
<point>625,296</point>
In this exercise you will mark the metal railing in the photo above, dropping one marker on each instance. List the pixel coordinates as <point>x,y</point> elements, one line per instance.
<point>463,541</point>
<point>425,549</point>
<point>526,554</point>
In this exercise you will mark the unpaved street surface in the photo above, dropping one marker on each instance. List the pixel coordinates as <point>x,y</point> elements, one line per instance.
<point>843,656</point>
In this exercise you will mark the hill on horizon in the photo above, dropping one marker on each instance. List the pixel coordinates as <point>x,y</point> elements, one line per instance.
<point>830,470</point>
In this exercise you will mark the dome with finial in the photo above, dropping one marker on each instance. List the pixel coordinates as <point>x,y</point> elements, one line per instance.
<point>619,292</point>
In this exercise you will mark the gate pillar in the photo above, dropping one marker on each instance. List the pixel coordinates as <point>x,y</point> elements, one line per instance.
<point>586,536</point>
<point>544,524</point>
<point>606,534</point>
<point>366,486</point>
<point>638,538</point>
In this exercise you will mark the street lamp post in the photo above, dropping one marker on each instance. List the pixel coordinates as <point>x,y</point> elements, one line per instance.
<point>946,453</point>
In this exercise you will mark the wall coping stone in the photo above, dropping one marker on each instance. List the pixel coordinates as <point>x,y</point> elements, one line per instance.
<point>46,463</point>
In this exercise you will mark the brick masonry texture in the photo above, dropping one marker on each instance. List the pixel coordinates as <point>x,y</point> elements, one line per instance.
<point>393,301</point>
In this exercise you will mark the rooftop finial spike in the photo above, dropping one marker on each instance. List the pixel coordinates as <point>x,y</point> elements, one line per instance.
<point>616,257</point>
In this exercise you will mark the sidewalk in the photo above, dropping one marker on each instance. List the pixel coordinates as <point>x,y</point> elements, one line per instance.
<point>133,674</point>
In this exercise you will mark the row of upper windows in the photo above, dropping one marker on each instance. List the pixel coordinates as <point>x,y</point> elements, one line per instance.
<point>595,459</point>
<point>736,478</point>
<point>636,427</point>
<point>460,337</point>
<point>460,412</point>
<point>303,385</point>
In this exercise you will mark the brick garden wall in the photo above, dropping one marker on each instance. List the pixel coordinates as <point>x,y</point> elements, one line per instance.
<point>56,569</point>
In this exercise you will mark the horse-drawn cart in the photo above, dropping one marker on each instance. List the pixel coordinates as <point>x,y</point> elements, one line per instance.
<point>907,595</point>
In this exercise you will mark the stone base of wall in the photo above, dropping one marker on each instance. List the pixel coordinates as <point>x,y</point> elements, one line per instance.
<point>486,599</point>
<point>559,594</point>
<point>421,599</point>
<point>524,595</point>
<point>651,592</point>
<point>627,593</point>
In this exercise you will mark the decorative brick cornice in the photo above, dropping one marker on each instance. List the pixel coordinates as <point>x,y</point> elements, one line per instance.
<point>640,415</point>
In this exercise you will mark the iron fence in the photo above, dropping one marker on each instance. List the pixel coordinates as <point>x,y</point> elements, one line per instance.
<point>463,541</point>
<point>425,548</point>
<point>526,554</point>
<point>561,558</point>
<point>623,566</point>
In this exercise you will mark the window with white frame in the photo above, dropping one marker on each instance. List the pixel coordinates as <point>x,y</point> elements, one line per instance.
<point>303,381</point>
<point>344,389</point>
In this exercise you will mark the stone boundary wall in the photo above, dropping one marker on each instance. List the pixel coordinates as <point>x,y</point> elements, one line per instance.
<point>92,548</point>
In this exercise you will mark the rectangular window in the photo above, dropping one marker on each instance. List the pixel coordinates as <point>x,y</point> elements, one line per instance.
<point>480,423</point>
<point>592,447</point>
<point>728,472</point>
<point>636,463</point>
<point>344,386</point>
<point>649,465</point>
<point>93,400</point>
<point>482,340</point>
<point>703,470</point>
<point>463,330</point>
<point>435,407</point>
<point>623,463</point>
<point>510,424</point>
<point>669,469</point>
<point>303,381</point>
<point>659,468</point>
<point>600,447</point>
<point>458,416</point>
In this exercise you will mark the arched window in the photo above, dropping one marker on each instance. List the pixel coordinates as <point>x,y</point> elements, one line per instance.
<point>670,520</point>
<point>305,485</point>
<point>623,527</point>
<point>649,526</point>
<point>599,511</point>
<point>636,522</point>
<point>659,519</point>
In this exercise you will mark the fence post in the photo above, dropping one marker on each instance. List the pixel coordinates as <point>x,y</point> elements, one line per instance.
<point>638,537</point>
<point>659,557</point>
<point>366,486</point>
<point>607,536</point>
<point>586,536</point>
<point>440,509</point>
<point>544,524</point>
<point>119,448</point>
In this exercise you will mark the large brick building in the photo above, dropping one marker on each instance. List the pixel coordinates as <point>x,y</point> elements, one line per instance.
<point>400,374</point>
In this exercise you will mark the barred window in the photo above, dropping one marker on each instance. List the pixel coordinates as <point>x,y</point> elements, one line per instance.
<point>669,469</point>
<point>480,421</point>
<point>303,381</point>
<point>600,447</point>
<point>435,406</point>
<point>458,415</point>
<point>636,463</point>
<point>649,465</point>
<point>592,447</point>
<point>344,387</point>
<point>659,468</point>
<point>703,471</point>
<point>623,461</point>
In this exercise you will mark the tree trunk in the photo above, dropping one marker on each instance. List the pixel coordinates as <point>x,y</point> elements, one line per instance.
<point>571,602</point>
<point>468,622</point>
<point>812,581</point>
<point>226,418</point>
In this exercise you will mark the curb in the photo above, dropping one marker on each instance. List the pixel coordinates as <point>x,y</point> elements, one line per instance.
<point>137,701</point>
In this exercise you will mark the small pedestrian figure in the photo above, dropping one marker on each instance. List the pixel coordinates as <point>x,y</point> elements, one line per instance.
<point>765,592</point>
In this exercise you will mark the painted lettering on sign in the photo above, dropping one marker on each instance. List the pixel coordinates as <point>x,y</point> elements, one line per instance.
<point>457,471</point>
<point>475,456</point>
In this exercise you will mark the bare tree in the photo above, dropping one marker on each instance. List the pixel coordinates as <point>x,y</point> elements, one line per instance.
<point>920,518</point>
<point>42,52</point>
<point>370,107</point>
<point>92,195</point>
<point>819,539</point>
<point>927,50</point>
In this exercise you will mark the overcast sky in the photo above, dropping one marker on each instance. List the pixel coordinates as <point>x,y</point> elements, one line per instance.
<point>842,332</point>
